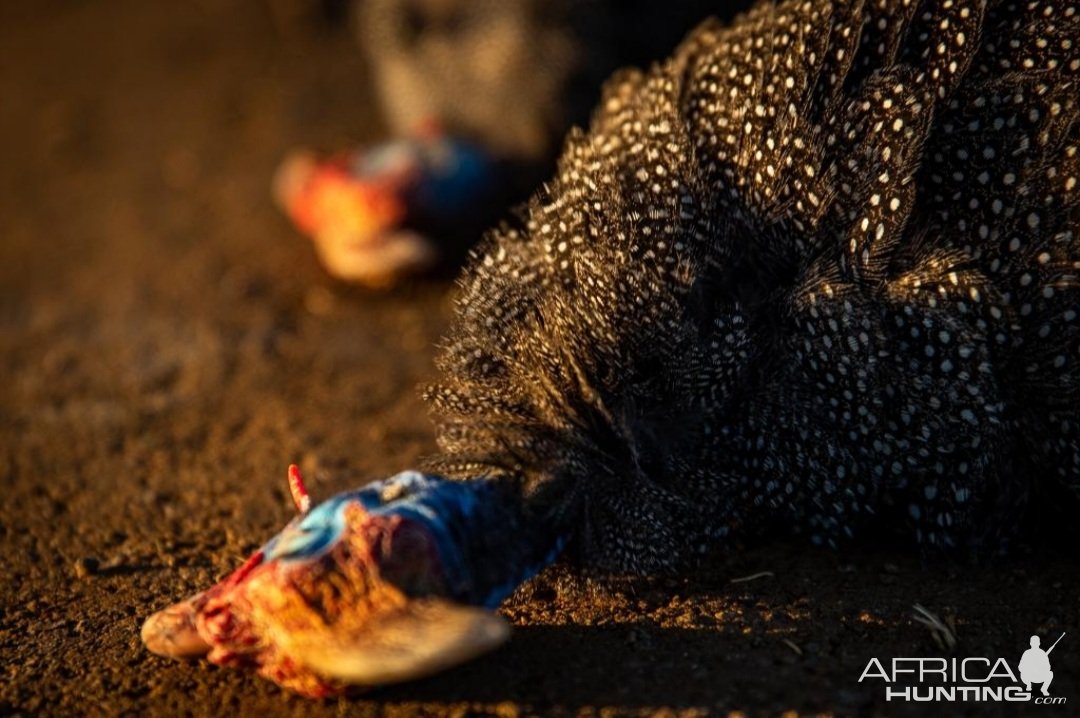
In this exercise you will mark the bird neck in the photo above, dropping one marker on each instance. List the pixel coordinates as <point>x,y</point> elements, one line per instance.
<point>487,539</point>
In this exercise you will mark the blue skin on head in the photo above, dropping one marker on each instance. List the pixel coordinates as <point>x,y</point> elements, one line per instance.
<point>444,508</point>
<point>454,175</point>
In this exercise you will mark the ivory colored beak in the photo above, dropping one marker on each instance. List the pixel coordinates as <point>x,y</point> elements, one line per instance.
<point>291,175</point>
<point>171,632</point>
<point>377,262</point>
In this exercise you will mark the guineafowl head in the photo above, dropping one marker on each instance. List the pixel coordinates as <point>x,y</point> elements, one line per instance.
<point>359,590</point>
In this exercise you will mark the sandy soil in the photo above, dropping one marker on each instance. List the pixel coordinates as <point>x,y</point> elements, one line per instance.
<point>168,346</point>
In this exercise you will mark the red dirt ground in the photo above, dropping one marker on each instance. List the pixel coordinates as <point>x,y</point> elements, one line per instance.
<point>168,346</point>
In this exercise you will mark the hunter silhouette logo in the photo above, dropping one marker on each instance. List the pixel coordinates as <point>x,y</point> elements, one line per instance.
<point>1035,665</point>
<point>975,678</point>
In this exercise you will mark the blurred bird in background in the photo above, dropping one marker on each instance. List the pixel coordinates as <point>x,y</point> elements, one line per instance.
<point>477,95</point>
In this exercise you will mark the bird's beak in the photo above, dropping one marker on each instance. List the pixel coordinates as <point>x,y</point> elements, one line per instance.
<point>171,632</point>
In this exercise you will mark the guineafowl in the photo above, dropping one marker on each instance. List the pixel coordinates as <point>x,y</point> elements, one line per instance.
<point>816,272</point>
<point>508,75</point>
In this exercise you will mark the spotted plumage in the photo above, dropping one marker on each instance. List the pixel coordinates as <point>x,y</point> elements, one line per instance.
<point>818,270</point>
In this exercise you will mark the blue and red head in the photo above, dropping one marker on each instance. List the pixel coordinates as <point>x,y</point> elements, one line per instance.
<point>369,587</point>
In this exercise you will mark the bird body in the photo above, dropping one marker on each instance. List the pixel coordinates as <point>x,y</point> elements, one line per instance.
<point>818,271</point>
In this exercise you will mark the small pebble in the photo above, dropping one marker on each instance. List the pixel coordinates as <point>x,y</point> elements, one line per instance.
<point>86,566</point>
